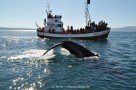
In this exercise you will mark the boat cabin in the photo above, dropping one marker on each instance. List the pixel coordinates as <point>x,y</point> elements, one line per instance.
<point>53,24</point>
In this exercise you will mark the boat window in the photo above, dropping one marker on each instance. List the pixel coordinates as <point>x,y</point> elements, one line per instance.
<point>56,20</point>
<point>59,25</point>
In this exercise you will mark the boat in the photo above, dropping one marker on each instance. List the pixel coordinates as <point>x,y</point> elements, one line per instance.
<point>53,27</point>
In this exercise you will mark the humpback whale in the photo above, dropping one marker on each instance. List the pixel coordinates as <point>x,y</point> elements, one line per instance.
<point>75,49</point>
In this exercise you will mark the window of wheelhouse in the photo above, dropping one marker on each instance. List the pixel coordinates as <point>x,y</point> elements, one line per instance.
<point>59,25</point>
<point>56,20</point>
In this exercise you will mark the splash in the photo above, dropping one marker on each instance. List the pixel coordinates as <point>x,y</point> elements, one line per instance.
<point>32,53</point>
<point>93,58</point>
<point>65,52</point>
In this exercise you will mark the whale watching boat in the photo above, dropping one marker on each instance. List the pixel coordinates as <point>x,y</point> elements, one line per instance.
<point>53,27</point>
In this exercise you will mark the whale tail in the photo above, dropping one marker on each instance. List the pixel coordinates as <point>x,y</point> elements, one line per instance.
<point>52,48</point>
<point>75,49</point>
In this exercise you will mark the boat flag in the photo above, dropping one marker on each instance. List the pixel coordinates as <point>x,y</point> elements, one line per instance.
<point>88,1</point>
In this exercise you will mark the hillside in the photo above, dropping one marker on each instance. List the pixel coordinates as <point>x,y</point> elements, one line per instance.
<point>126,29</point>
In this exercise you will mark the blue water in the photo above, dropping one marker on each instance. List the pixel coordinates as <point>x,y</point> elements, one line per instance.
<point>22,66</point>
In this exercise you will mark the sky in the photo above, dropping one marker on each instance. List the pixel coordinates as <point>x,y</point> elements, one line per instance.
<point>24,13</point>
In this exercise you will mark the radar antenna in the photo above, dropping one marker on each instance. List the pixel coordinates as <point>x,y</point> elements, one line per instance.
<point>87,14</point>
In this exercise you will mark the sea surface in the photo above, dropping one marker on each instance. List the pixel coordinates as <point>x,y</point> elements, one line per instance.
<point>23,66</point>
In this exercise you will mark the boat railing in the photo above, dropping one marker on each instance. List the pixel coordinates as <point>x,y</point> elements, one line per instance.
<point>92,27</point>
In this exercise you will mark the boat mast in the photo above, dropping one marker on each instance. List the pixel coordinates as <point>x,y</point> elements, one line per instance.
<point>87,14</point>
<point>48,6</point>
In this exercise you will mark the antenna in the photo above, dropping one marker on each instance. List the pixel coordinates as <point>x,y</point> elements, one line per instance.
<point>87,14</point>
<point>48,6</point>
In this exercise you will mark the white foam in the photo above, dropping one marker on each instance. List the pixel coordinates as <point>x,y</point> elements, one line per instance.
<point>33,53</point>
<point>93,58</point>
<point>65,52</point>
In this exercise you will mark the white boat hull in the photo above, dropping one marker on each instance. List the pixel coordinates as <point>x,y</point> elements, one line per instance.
<point>96,35</point>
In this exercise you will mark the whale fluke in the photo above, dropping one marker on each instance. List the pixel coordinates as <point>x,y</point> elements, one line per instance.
<point>52,48</point>
<point>75,49</point>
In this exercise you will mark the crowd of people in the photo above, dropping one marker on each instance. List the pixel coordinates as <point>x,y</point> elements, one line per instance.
<point>56,16</point>
<point>90,28</point>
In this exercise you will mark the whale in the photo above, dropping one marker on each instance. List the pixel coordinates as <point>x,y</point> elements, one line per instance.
<point>75,49</point>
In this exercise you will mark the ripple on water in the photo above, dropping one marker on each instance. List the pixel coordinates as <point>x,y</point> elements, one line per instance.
<point>22,65</point>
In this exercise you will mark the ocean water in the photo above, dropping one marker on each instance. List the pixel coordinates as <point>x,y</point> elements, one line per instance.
<point>22,66</point>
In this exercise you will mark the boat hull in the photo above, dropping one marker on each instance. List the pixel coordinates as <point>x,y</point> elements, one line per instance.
<point>96,35</point>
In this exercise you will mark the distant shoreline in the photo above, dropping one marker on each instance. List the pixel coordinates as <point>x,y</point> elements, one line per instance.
<point>124,29</point>
<point>10,28</point>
